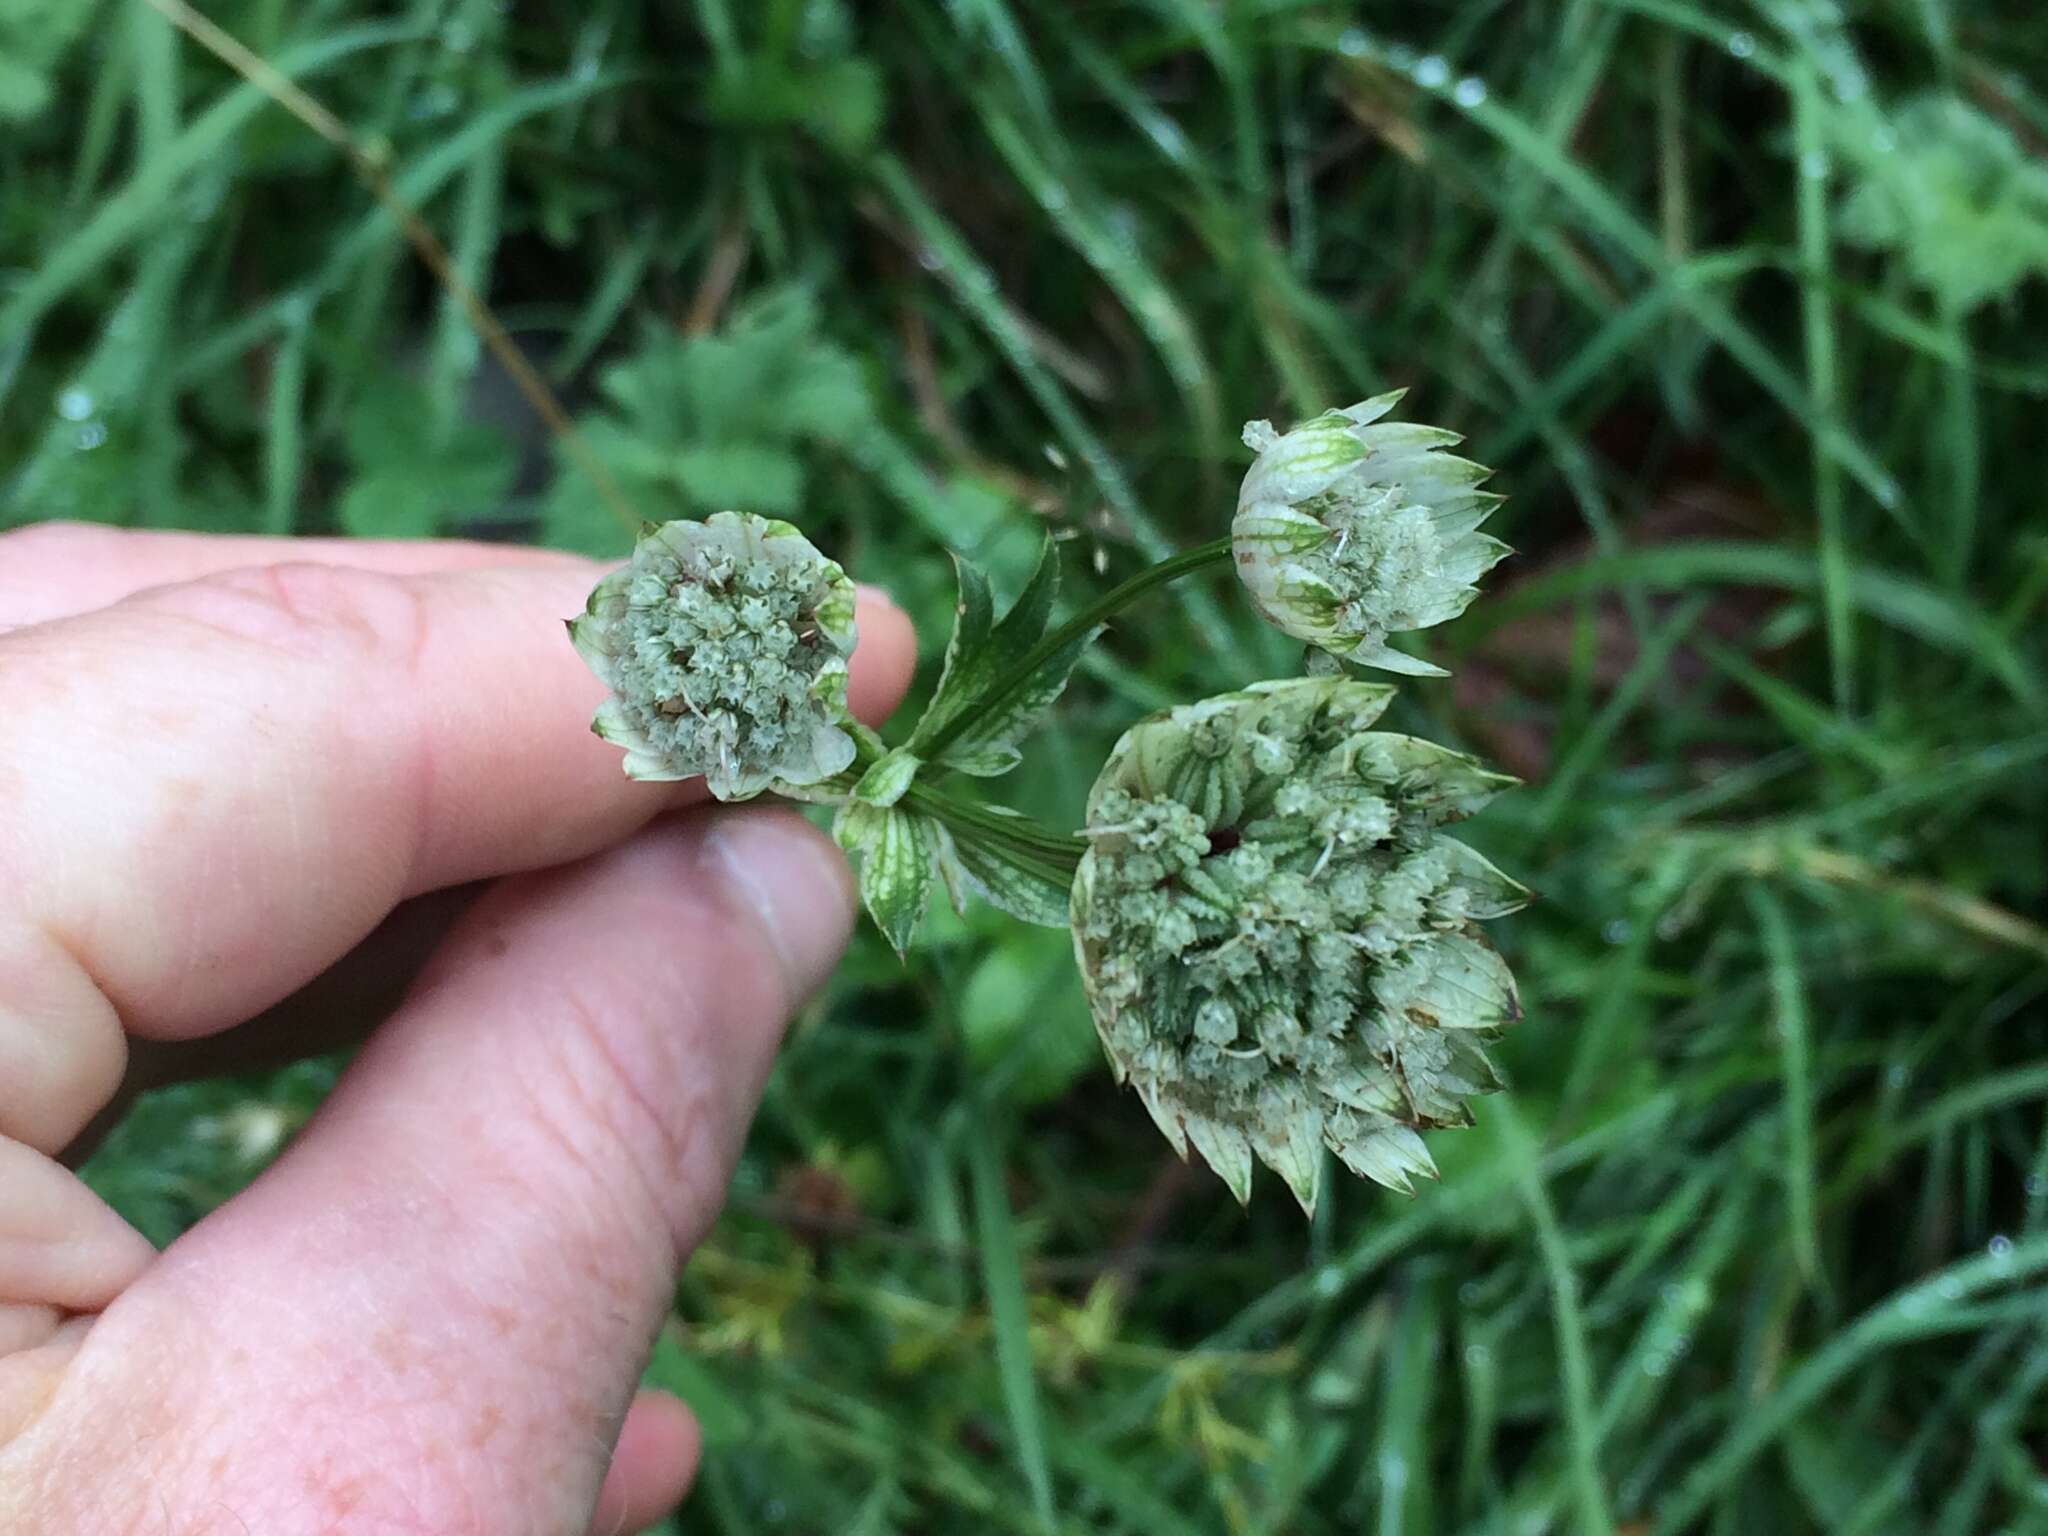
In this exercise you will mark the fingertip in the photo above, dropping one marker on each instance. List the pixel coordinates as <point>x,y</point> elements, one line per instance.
<point>795,882</point>
<point>652,1466</point>
<point>884,659</point>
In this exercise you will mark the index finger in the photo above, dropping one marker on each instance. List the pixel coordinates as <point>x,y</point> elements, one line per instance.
<point>209,792</point>
<point>54,570</point>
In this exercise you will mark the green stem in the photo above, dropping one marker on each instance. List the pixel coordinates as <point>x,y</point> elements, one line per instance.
<point>1104,608</point>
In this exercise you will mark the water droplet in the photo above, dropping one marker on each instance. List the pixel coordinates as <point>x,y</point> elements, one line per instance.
<point>2037,1184</point>
<point>1470,92</point>
<point>1741,44</point>
<point>2000,1248</point>
<point>1469,1293</point>
<point>1432,73</point>
<point>437,100</point>
<point>1393,1470</point>
<point>1887,492</point>
<point>1655,1365</point>
<point>91,435</point>
<point>1329,1280</point>
<point>1669,1292</point>
<point>1054,198</point>
<point>1951,1289</point>
<point>458,37</point>
<point>75,404</point>
<point>1616,930</point>
<point>1478,1354</point>
<point>1895,1075</point>
<point>1813,164</point>
<point>1913,1303</point>
<point>929,259</point>
<point>585,69</point>
<point>1352,43</point>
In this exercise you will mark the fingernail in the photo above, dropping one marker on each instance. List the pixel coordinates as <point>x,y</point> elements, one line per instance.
<point>795,881</point>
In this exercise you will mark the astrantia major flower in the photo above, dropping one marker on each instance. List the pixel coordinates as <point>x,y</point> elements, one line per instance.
<point>1279,944</point>
<point>725,646</point>
<point>1349,530</point>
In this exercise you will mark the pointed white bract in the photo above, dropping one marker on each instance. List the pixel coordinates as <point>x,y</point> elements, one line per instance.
<point>725,646</point>
<point>1279,943</point>
<point>1350,529</point>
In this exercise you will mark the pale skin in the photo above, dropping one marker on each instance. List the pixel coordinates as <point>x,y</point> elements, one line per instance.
<point>223,762</point>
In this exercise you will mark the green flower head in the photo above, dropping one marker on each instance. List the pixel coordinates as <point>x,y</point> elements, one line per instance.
<point>1347,531</point>
<point>1279,944</point>
<point>725,646</point>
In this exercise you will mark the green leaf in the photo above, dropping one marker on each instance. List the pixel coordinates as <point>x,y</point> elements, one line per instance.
<point>979,657</point>
<point>1955,197</point>
<point>1024,893</point>
<point>34,37</point>
<point>894,849</point>
<point>884,784</point>
<point>1002,1276</point>
<point>697,425</point>
<point>838,101</point>
<point>1023,1019</point>
<point>413,481</point>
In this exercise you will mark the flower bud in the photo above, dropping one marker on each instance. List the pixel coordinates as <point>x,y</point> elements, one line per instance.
<point>1283,961</point>
<point>725,646</point>
<point>1347,531</point>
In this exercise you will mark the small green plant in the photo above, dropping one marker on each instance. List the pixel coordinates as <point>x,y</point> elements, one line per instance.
<point>1278,943</point>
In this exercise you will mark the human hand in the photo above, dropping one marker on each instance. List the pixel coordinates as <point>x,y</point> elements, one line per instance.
<point>218,775</point>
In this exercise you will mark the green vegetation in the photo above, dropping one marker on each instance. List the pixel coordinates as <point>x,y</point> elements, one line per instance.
<point>1742,301</point>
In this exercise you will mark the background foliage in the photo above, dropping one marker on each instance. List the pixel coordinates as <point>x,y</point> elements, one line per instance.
<point>1740,296</point>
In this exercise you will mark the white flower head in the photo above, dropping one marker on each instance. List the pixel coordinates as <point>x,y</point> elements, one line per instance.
<point>1349,529</point>
<point>1279,944</point>
<point>725,646</point>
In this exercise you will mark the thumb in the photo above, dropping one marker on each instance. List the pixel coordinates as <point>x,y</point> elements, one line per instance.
<point>430,1314</point>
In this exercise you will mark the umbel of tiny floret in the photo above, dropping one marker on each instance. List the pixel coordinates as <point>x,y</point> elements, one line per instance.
<point>1279,943</point>
<point>725,646</point>
<point>1349,529</point>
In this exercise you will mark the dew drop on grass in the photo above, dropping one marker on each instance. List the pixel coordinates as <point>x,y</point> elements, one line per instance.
<point>75,404</point>
<point>2000,1249</point>
<point>1470,92</point>
<point>1351,42</point>
<point>1329,1281</point>
<point>1478,1354</point>
<point>1813,164</point>
<point>1741,44</point>
<point>1431,72</point>
<point>1616,930</point>
<point>91,435</point>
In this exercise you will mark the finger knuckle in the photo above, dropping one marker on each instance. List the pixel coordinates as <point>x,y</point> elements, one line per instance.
<point>307,609</point>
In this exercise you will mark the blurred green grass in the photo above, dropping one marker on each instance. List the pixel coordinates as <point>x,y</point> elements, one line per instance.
<point>1742,300</point>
